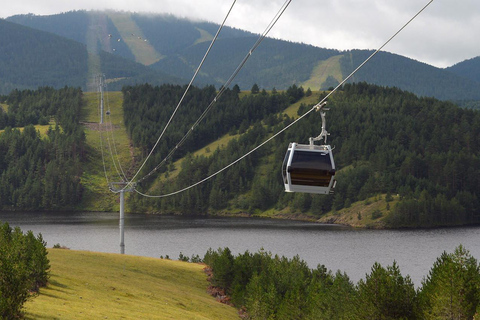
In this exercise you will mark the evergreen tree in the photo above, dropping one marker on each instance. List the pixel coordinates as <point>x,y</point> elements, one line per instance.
<point>452,287</point>
<point>255,89</point>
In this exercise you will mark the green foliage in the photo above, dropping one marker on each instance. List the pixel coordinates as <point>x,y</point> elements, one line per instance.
<point>452,288</point>
<point>468,69</point>
<point>273,287</point>
<point>396,71</point>
<point>37,58</point>
<point>255,89</point>
<point>391,141</point>
<point>386,294</point>
<point>24,268</point>
<point>376,214</point>
<point>42,172</point>
<point>144,105</point>
<point>280,288</point>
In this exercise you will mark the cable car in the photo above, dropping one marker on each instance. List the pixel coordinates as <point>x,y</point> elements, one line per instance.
<point>310,168</point>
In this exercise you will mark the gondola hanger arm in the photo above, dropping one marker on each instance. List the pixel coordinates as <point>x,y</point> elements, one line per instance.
<point>324,133</point>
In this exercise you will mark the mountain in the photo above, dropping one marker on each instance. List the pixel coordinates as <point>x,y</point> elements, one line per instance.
<point>30,58</point>
<point>175,46</point>
<point>469,69</point>
<point>422,79</point>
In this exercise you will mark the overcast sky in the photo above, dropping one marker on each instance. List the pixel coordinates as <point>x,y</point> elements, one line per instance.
<point>447,32</point>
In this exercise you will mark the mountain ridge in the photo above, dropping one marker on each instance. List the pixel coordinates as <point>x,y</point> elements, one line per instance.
<point>172,48</point>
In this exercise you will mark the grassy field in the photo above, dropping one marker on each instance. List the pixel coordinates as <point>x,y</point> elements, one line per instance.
<point>361,214</point>
<point>87,285</point>
<point>321,72</point>
<point>204,36</point>
<point>292,110</point>
<point>133,36</point>
<point>113,139</point>
<point>42,129</point>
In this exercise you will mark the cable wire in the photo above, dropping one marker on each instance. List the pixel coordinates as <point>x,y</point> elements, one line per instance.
<point>291,124</point>
<point>110,129</point>
<point>223,88</point>
<point>184,94</point>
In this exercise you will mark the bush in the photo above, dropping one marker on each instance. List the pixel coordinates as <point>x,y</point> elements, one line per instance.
<point>377,214</point>
<point>24,268</point>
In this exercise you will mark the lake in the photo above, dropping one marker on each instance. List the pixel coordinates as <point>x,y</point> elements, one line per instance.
<point>337,247</point>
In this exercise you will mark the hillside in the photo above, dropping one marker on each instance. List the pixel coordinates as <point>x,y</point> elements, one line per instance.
<point>396,71</point>
<point>175,46</point>
<point>387,142</point>
<point>419,156</point>
<point>31,58</point>
<point>469,69</point>
<point>87,285</point>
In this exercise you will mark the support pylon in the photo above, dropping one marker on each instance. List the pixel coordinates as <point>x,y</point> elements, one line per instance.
<point>121,188</point>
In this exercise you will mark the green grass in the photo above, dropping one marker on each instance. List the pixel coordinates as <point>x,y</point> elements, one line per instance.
<point>329,67</point>
<point>116,145</point>
<point>292,110</point>
<point>359,214</point>
<point>87,285</point>
<point>133,36</point>
<point>204,36</point>
<point>42,129</point>
<point>4,107</point>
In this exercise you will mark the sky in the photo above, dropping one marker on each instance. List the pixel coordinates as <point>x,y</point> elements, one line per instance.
<point>447,32</point>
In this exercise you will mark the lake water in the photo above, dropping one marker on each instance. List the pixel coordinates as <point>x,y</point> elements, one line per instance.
<point>338,248</point>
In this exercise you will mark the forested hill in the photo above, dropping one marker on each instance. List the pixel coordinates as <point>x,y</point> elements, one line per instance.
<point>175,46</point>
<point>409,75</point>
<point>31,58</point>
<point>41,171</point>
<point>469,69</point>
<point>386,142</point>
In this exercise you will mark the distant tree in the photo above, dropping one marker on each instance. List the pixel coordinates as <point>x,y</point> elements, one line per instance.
<point>236,89</point>
<point>308,93</point>
<point>295,93</point>
<point>255,89</point>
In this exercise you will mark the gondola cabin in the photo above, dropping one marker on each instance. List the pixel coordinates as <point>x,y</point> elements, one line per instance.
<point>309,169</point>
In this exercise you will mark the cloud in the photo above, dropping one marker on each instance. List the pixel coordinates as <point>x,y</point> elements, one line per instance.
<point>444,34</point>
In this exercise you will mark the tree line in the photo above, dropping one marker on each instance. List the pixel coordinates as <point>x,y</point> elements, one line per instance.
<point>273,287</point>
<point>24,269</point>
<point>386,141</point>
<point>41,172</point>
<point>147,109</point>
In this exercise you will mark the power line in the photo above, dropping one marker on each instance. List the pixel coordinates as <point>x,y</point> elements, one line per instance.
<point>291,124</point>
<point>222,89</point>
<point>111,128</point>
<point>231,164</point>
<point>184,94</point>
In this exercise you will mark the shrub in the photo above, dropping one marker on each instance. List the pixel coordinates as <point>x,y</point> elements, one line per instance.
<point>24,268</point>
<point>377,214</point>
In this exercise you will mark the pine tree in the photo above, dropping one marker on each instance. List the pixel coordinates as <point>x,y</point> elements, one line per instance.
<point>452,288</point>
